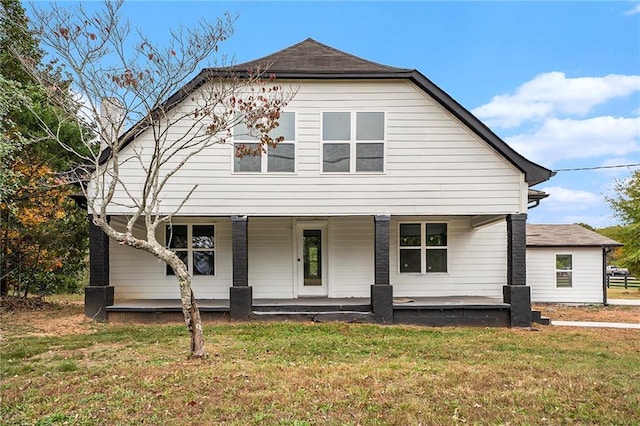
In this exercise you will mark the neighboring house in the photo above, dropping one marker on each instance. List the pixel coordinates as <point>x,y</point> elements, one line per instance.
<point>384,187</point>
<point>566,264</point>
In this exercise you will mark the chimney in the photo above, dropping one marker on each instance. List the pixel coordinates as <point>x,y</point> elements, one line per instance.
<point>112,116</point>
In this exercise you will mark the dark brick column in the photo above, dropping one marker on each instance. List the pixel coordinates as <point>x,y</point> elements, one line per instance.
<point>516,292</point>
<point>240,295</point>
<point>98,295</point>
<point>381,290</point>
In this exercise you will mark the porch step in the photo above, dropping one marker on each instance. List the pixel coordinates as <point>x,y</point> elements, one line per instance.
<point>318,316</point>
<point>536,316</point>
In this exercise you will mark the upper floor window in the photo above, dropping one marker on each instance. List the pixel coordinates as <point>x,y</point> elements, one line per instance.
<point>564,270</point>
<point>194,245</point>
<point>422,247</point>
<point>353,142</point>
<point>279,159</point>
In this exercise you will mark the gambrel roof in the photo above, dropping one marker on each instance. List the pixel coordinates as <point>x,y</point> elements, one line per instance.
<point>567,235</point>
<point>310,59</point>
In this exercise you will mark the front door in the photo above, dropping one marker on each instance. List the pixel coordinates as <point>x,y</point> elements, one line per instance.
<point>312,260</point>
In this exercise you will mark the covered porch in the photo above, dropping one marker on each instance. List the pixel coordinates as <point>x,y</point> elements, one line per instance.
<point>379,292</point>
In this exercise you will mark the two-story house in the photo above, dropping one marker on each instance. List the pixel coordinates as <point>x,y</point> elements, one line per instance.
<point>385,196</point>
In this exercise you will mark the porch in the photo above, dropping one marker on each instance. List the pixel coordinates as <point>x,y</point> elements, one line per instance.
<point>429,311</point>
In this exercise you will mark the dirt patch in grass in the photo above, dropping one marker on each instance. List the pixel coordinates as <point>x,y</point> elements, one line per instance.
<point>630,314</point>
<point>35,316</point>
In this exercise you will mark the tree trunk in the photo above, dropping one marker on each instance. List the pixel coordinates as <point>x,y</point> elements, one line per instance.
<point>190,311</point>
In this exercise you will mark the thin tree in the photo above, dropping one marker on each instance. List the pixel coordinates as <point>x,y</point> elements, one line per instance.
<point>145,89</point>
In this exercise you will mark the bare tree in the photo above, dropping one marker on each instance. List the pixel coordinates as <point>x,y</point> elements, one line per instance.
<point>144,88</point>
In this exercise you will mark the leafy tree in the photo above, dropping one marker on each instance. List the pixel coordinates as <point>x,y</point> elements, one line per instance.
<point>626,206</point>
<point>43,234</point>
<point>141,84</point>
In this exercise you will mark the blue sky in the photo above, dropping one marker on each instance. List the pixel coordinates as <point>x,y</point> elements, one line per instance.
<point>558,81</point>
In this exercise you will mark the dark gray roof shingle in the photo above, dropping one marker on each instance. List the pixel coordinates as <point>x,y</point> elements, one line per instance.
<point>566,236</point>
<point>310,56</point>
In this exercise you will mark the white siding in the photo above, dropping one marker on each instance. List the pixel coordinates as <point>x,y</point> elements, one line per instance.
<point>351,257</point>
<point>271,257</point>
<point>434,165</point>
<point>477,262</point>
<point>587,275</point>
<point>138,275</point>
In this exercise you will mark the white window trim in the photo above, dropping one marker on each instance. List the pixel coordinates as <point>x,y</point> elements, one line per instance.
<point>190,248</point>
<point>352,142</point>
<point>423,247</point>
<point>555,262</point>
<point>264,161</point>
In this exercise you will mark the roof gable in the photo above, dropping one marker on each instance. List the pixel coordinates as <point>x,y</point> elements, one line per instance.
<point>310,56</point>
<point>310,59</point>
<point>570,235</point>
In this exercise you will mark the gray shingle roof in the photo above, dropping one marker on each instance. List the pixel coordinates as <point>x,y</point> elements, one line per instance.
<point>566,236</point>
<point>310,56</point>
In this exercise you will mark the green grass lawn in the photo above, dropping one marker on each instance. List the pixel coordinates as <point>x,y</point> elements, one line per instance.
<point>622,293</point>
<point>309,374</point>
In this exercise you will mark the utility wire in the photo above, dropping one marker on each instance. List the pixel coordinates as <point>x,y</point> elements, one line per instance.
<point>598,167</point>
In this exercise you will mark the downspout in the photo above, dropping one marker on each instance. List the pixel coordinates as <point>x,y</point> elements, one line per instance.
<point>536,204</point>
<point>604,275</point>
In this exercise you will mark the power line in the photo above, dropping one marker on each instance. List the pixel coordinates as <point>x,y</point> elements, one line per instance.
<point>597,167</point>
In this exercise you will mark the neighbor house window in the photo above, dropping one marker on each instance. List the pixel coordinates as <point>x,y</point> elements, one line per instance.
<point>353,142</point>
<point>278,159</point>
<point>422,247</point>
<point>195,245</point>
<point>564,270</point>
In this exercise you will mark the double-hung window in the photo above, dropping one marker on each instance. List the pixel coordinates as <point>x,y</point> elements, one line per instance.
<point>194,245</point>
<point>422,247</point>
<point>564,270</point>
<point>278,159</point>
<point>353,142</point>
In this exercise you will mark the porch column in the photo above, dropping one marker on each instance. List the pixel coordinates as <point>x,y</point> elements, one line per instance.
<point>516,292</point>
<point>98,295</point>
<point>381,290</point>
<point>240,294</point>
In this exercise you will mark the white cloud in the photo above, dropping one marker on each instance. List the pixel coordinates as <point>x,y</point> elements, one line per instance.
<point>553,94</point>
<point>561,198</point>
<point>634,10</point>
<point>561,139</point>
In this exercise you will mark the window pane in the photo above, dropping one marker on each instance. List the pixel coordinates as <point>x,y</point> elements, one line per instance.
<point>241,133</point>
<point>184,256</point>
<point>176,236</point>
<point>202,263</point>
<point>437,260</point>
<point>286,128</point>
<point>281,158</point>
<point>410,260</point>
<point>436,234</point>
<point>248,163</point>
<point>335,157</point>
<point>410,234</point>
<point>336,126</point>
<point>202,237</point>
<point>563,261</point>
<point>369,157</point>
<point>370,126</point>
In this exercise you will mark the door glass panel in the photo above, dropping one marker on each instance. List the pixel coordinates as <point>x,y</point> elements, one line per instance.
<point>312,256</point>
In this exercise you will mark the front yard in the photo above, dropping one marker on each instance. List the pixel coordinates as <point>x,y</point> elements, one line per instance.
<point>59,368</point>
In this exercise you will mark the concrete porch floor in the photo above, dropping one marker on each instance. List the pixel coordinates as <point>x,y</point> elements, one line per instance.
<point>338,304</point>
